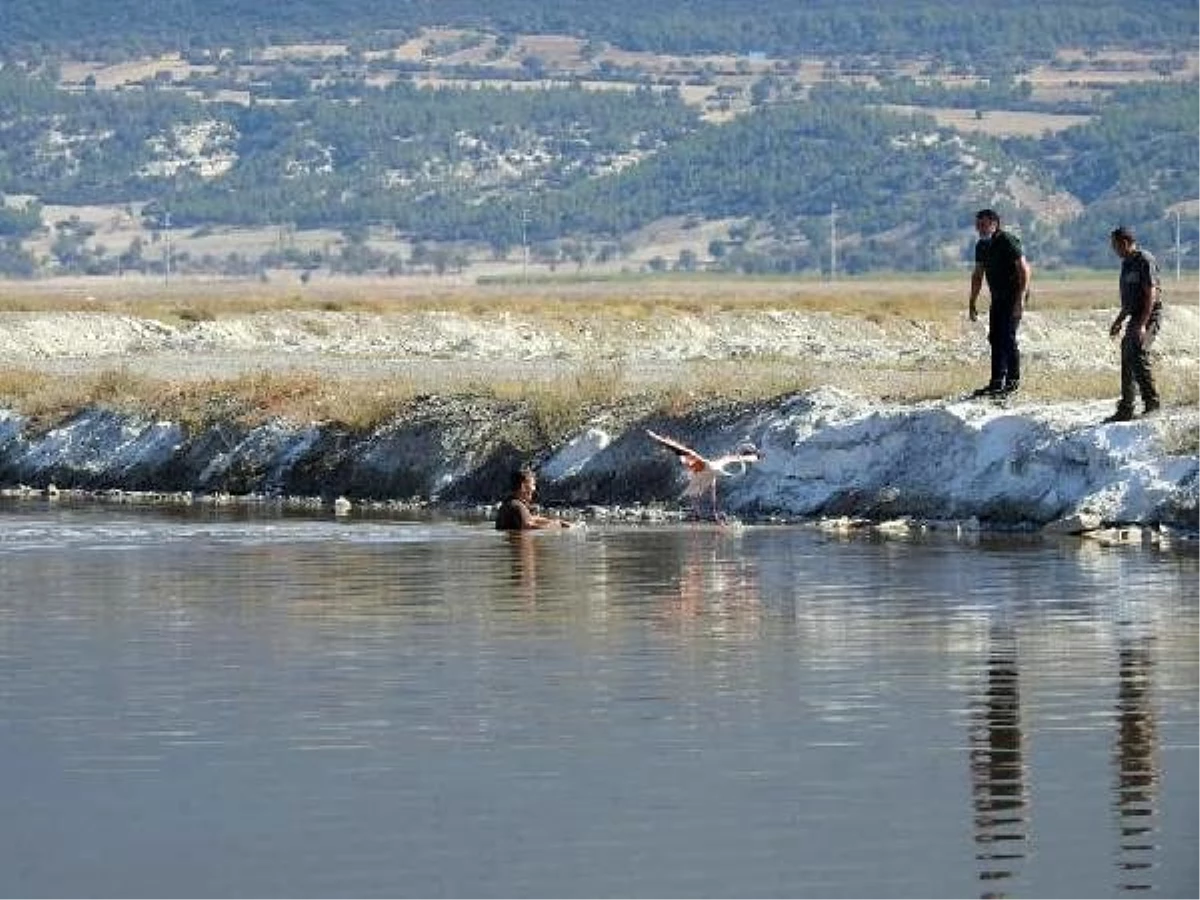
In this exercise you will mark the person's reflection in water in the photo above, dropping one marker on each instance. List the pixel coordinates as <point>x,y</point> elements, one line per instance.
<point>1136,766</point>
<point>524,547</point>
<point>998,769</point>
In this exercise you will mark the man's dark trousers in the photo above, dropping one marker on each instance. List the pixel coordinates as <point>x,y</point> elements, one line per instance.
<point>1136,371</point>
<point>1002,335</point>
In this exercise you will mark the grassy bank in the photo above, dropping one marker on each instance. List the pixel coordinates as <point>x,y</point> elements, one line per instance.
<point>558,405</point>
<point>559,398</point>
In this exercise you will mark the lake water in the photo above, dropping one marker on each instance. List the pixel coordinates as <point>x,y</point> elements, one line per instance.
<point>222,703</point>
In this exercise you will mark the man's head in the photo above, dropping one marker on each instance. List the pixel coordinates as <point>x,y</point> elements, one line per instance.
<point>524,483</point>
<point>1123,241</point>
<point>987,222</point>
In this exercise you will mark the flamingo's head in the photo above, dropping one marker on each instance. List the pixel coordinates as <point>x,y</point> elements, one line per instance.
<point>747,449</point>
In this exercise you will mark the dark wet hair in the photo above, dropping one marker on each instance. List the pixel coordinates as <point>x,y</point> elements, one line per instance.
<point>1123,233</point>
<point>520,476</point>
<point>988,213</point>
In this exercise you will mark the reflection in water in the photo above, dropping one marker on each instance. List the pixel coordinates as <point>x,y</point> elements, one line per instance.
<point>523,547</point>
<point>1136,769</point>
<point>716,580</point>
<point>362,708</point>
<point>998,769</point>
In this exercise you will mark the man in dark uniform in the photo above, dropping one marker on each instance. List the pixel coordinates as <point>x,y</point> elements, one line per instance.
<point>998,256</point>
<point>514,513</point>
<point>1141,304</point>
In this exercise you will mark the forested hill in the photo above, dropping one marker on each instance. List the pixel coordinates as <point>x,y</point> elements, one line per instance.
<point>983,32</point>
<point>780,135</point>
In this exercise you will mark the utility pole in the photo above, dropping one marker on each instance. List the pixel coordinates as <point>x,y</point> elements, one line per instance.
<point>167,251</point>
<point>832,241</point>
<point>1178,253</point>
<point>524,243</point>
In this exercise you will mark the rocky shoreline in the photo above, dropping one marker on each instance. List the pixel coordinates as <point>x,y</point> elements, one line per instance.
<point>830,457</point>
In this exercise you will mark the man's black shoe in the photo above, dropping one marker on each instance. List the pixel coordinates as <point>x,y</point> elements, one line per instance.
<point>1011,388</point>
<point>1121,415</point>
<point>988,390</point>
<point>1151,408</point>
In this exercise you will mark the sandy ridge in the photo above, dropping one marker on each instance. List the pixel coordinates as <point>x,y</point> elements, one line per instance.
<point>360,343</point>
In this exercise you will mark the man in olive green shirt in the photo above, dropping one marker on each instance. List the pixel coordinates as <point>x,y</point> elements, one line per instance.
<point>1141,304</point>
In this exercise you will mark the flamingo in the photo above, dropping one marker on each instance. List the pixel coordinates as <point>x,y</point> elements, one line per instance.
<point>703,472</point>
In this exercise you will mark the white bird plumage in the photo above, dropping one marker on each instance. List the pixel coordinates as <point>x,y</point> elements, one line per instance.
<point>704,472</point>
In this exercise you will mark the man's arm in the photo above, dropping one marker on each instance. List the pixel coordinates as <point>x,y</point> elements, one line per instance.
<point>976,285</point>
<point>530,521</point>
<point>1115,328</point>
<point>1023,274</point>
<point>547,522</point>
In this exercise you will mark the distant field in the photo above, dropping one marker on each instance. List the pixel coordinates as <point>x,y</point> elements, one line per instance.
<point>911,296</point>
<point>116,228</point>
<point>999,123</point>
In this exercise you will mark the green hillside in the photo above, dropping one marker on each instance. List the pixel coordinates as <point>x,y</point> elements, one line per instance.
<point>489,138</point>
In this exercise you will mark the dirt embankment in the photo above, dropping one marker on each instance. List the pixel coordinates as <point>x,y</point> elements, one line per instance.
<point>651,347</point>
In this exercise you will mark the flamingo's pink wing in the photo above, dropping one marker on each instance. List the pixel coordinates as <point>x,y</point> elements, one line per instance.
<point>674,446</point>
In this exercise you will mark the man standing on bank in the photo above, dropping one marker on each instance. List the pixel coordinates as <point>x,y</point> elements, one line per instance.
<point>1141,304</point>
<point>998,256</point>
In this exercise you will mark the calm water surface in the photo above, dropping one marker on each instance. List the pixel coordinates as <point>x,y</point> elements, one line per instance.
<point>221,704</point>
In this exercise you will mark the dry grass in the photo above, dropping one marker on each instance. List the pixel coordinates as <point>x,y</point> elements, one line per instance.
<point>557,406</point>
<point>298,397</point>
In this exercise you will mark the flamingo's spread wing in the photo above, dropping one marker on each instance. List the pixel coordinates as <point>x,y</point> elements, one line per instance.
<point>740,460</point>
<point>677,448</point>
<point>671,444</point>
